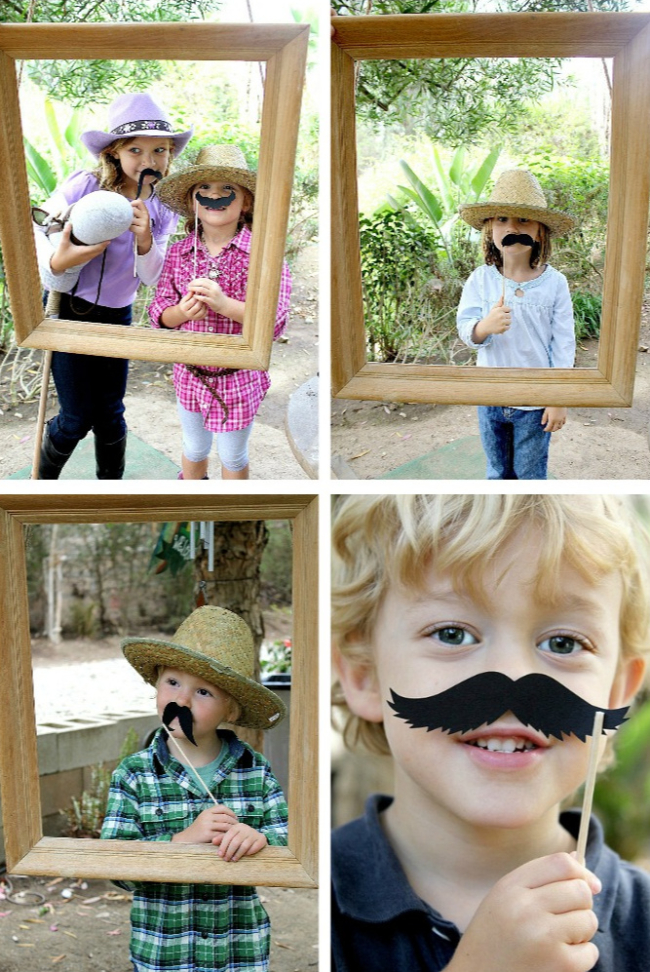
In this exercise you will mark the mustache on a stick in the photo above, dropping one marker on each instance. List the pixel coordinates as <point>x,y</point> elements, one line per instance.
<point>147,172</point>
<point>221,203</point>
<point>513,238</point>
<point>184,715</point>
<point>538,701</point>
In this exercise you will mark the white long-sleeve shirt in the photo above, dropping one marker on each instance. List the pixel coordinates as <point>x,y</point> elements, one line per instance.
<point>541,334</point>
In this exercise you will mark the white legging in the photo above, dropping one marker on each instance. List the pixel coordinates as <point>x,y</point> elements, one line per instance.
<point>197,441</point>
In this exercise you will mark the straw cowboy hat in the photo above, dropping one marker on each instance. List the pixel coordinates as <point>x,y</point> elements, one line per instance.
<point>132,115</point>
<point>517,193</point>
<point>214,163</point>
<point>217,646</point>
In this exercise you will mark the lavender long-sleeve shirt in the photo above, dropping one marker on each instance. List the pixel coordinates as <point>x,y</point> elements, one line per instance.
<point>119,283</point>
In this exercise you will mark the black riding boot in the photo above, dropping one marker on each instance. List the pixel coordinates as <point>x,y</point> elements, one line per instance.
<point>51,461</point>
<point>110,458</point>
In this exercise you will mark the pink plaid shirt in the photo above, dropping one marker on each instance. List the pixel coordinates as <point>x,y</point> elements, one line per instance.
<point>242,392</point>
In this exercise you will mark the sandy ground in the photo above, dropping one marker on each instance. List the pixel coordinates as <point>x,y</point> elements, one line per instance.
<point>373,438</point>
<point>88,929</point>
<point>150,399</point>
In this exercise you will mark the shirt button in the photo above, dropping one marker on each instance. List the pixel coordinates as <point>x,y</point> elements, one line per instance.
<point>205,897</point>
<point>158,812</point>
<point>250,807</point>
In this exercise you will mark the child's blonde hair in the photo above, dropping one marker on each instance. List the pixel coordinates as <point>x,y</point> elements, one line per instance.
<point>539,255</point>
<point>380,541</point>
<point>109,171</point>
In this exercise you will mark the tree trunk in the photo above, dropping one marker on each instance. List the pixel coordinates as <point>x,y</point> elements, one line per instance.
<point>234,583</point>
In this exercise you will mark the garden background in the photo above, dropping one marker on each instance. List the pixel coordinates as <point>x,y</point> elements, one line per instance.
<point>433,134</point>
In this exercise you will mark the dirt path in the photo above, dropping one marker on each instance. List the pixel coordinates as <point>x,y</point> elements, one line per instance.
<point>83,926</point>
<point>370,439</point>
<point>150,399</point>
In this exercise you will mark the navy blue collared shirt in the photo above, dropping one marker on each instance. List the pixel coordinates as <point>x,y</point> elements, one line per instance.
<point>379,924</point>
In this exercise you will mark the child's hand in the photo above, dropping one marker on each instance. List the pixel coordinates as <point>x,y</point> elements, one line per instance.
<point>192,308</point>
<point>209,293</point>
<point>141,226</point>
<point>69,254</point>
<point>240,841</point>
<point>496,322</point>
<point>553,419</point>
<point>210,824</point>
<point>536,918</point>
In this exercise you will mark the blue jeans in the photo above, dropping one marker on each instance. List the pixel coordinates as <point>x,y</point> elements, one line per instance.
<point>90,389</point>
<point>515,443</point>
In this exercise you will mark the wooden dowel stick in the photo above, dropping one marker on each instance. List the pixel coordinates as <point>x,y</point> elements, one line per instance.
<point>187,760</point>
<point>590,783</point>
<point>42,407</point>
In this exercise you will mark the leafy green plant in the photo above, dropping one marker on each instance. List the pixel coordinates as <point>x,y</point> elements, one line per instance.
<point>587,311</point>
<point>623,792</point>
<point>276,657</point>
<point>66,151</point>
<point>86,815</point>
<point>461,182</point>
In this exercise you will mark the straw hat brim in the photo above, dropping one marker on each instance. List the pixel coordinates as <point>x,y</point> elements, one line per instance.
<point>558,223</point>
<point>173,190</point>
<point>260,708</point>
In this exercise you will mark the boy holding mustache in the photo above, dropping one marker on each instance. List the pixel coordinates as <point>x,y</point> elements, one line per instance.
<point>203,678</point>
<point>471,866</point>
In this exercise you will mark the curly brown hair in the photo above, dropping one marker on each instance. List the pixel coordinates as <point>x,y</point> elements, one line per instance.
<point>539,255</point>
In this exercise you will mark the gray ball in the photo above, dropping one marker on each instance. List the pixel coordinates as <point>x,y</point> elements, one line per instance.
<point>100,216</point>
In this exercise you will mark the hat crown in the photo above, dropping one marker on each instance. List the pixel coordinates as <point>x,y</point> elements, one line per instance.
<point>135,107</point>
<point>222,157</point>
<point>518,187</point>
<point>221,636</point>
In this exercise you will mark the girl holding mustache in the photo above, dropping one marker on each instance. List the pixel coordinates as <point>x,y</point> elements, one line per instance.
<point>519,318</point>
<point>203,288</point>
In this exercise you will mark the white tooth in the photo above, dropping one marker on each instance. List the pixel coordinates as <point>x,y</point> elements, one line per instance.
<point>494,745</point>
<point>482,743</point>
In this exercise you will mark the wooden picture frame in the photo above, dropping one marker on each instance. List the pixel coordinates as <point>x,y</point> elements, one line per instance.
<point>625,37</point>
<point>27,851</point>
<point>284,49</point>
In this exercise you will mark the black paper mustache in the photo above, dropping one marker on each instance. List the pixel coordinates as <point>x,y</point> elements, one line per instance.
<point>537,701</point>
<point>513,238</point>
<point>147,172</point>
<point>222,203</point>
<point>184,715</point>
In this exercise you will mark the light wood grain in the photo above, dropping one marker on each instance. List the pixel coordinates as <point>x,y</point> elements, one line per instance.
<point>148,42</point>
<point>285,48</point>
<point>483,386</point>
<point>303,743</point>
<point>348,336</point>
<point>623,36</point>
<point>285,74</point>
<point>135,860</point>
<point>487,35</point>
<point>18,249</point>
<point>27,851</point>
<point>21,800</point>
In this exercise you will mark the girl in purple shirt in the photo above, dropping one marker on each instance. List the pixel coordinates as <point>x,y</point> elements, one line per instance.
<point>98,283</point>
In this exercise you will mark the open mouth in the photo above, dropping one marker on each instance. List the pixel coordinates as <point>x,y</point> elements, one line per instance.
<point>499,744</point>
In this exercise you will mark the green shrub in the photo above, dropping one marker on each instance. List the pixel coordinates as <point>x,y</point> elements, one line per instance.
<point>587,311</point>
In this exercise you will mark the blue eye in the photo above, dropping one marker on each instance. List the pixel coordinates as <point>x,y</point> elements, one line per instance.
<point>561,645</point>
<point>454,636</point>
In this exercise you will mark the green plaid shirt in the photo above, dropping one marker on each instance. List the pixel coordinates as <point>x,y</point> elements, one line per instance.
<point>195,927</point>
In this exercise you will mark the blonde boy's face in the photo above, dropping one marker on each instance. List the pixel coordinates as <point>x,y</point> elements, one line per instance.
<point>426,642</point>
<point>210,705</point>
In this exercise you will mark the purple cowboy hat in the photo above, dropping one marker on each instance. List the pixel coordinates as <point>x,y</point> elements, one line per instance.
<point>131,115</point>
